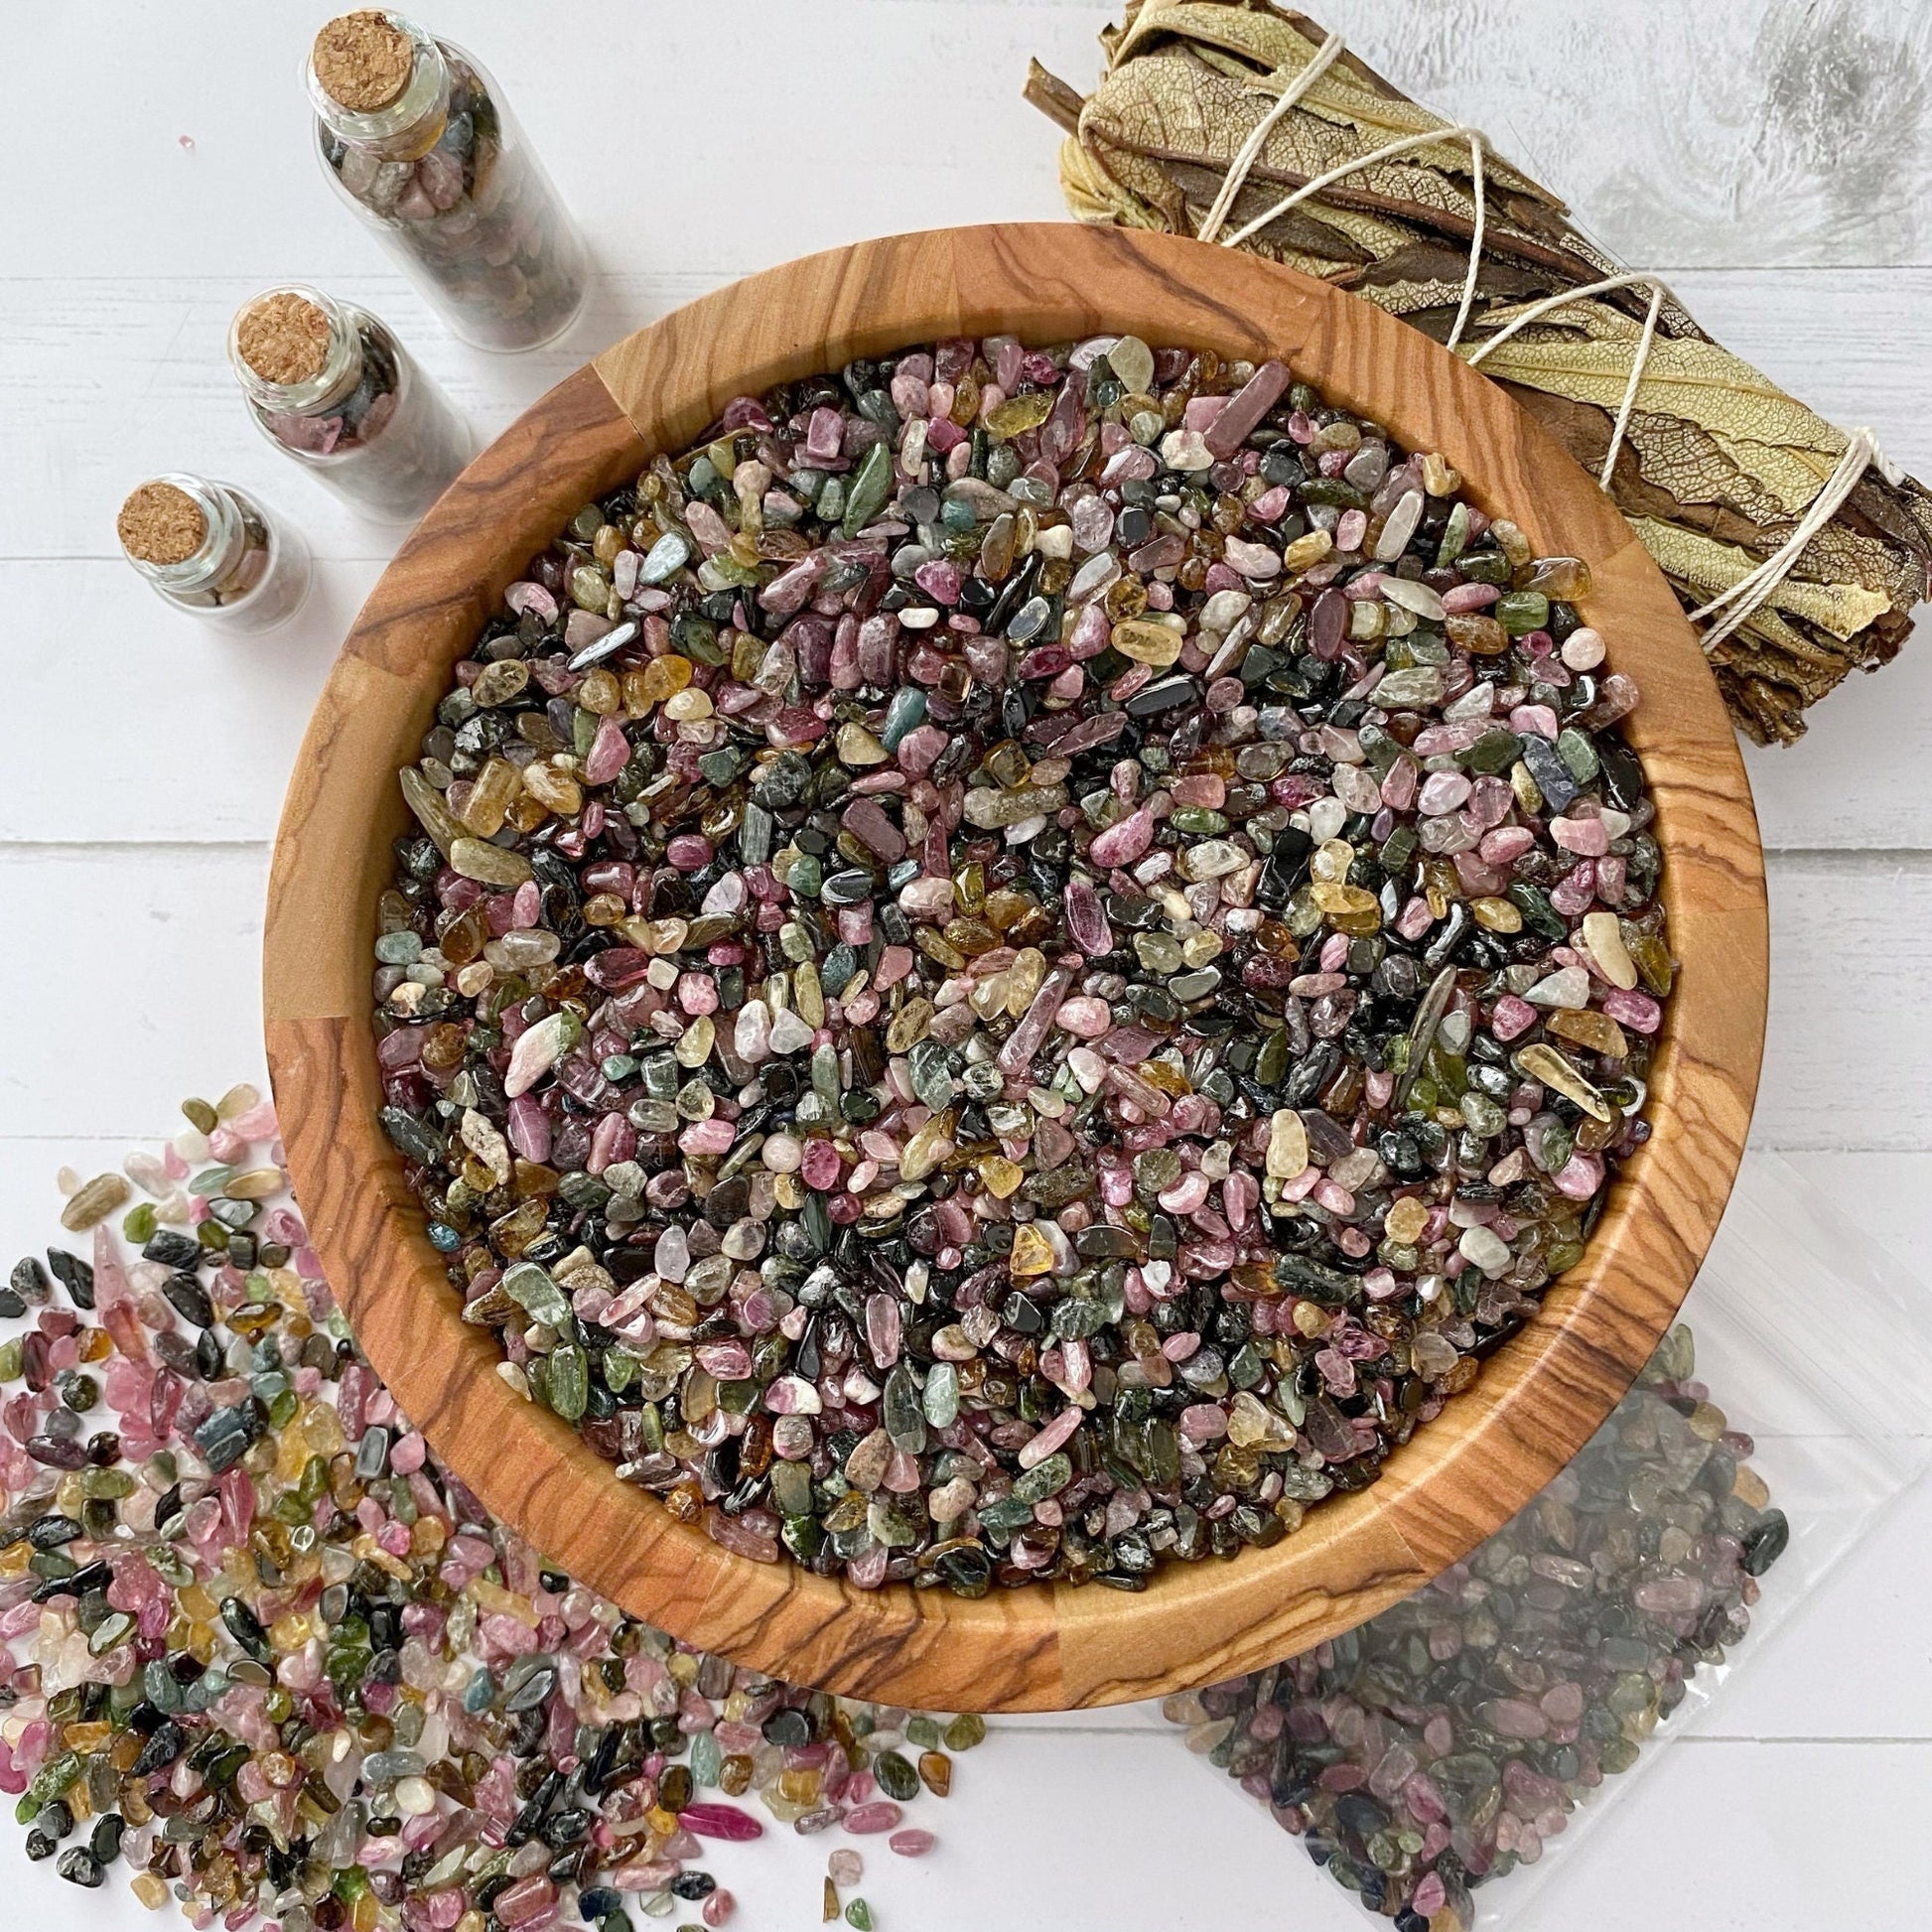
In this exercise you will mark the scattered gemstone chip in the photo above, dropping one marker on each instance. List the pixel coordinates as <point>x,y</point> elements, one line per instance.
<point>254,1642</point>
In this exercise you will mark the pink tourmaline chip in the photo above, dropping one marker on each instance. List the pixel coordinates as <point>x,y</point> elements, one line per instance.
<point>719,1821</point>
<point>1122,844</point>
<point>610,753</point>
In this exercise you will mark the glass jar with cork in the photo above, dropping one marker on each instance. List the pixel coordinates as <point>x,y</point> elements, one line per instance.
<point>329,384</point>
<point>213,551</point>
<point>418,140</point>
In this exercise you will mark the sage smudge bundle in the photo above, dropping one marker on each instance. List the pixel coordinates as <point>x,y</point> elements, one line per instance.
<point>1798,552</point>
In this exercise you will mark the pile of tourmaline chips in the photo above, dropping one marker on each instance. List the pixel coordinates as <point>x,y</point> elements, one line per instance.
<point>1008,970</point>
<point>1448,1740</point>
<point>255,1641</point>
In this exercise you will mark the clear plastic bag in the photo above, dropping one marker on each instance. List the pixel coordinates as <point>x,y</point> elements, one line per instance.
<point>1383,1744</point>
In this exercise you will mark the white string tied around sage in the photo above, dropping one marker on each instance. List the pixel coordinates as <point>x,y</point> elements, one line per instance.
<point>1750,592</point>
<point>1862,451</point>
<point>1551,303</point>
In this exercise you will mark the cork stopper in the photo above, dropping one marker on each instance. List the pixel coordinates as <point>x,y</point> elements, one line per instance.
<point>283,338</point>
<point>160,524</point>
<point>363,60</point>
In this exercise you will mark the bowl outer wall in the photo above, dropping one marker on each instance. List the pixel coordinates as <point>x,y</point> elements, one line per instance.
<point>1541,1394</point>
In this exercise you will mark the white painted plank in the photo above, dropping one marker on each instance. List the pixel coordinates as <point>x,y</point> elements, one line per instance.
<point>1854,780</point>
<point>1723,1835</point>
<point>1731,1837</point>
<point>1718,1835</point>
<point>707,133</point>
<point>1787,134</point>
<point>1890,1195</point>
<point>73,341</point>
<point>151,361</point>
<point>149,356</point>
<point>1803,1684</point>
<point>88,632</point>
<point>1034,1818</point>
<point>1797,1686</point>
<point>159,726</point>
<point>84,633</point>
<point>151,985</point>
<point>161,948</point>
<point>1850,344</point>
<point>1139,1837</point>
<point>1754,132</point>
<point>1848,1060</point>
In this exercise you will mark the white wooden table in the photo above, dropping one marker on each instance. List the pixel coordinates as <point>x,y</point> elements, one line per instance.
<point>156,169</point>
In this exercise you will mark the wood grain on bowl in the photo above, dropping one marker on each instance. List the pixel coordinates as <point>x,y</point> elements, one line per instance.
<point>1541,1394</point>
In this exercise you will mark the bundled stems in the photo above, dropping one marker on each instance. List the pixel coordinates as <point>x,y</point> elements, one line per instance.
<point>1797,560</point>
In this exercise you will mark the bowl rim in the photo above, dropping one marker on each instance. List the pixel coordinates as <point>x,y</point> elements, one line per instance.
<point>1542,1392</point>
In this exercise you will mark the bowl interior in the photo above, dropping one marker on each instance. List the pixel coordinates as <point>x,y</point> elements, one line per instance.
<point>1542,1393</point>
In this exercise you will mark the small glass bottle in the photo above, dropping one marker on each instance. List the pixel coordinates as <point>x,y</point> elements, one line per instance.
<point>416,137</point>
<point>212,550</point>
<point>331,385</point>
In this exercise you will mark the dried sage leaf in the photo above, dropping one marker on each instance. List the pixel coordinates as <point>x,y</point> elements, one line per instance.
<point>1719,464</point>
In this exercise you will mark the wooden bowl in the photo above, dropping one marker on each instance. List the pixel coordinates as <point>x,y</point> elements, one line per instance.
<point>1540,1396</point>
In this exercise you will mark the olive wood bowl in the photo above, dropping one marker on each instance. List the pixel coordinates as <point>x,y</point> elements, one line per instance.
<point>1541,1394</point>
